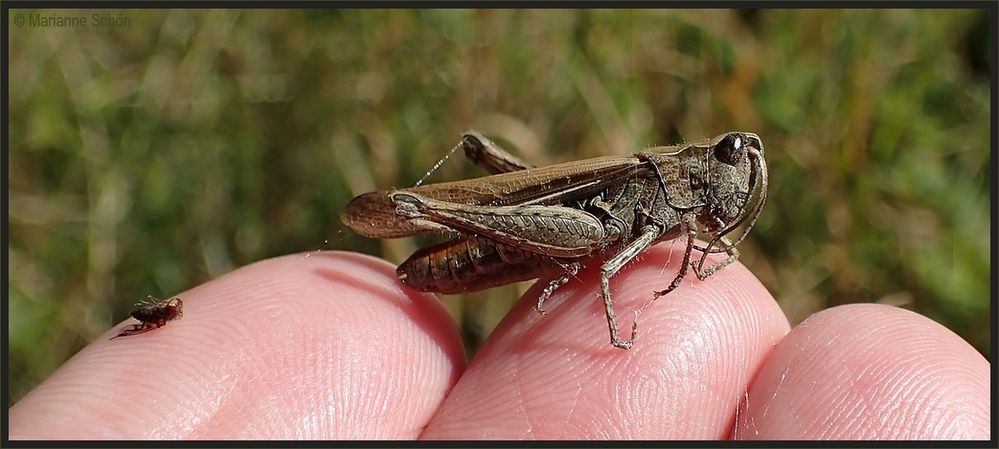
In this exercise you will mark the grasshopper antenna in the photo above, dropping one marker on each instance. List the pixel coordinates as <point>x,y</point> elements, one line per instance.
<point>437,165</point>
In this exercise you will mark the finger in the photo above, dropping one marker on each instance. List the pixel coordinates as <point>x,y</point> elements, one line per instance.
<point>319,345</point>
<point>869,371</point>
<point>557,376</point>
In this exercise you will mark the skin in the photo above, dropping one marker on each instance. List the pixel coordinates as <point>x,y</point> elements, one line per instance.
<point>330,346</point>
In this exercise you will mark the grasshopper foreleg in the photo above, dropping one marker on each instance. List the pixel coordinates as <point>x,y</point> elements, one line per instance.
<point>649,235</point>
<point>730,249</point>
<point>691,231</point>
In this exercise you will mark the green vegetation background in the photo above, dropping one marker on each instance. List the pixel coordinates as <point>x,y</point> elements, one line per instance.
<point>149,158</point>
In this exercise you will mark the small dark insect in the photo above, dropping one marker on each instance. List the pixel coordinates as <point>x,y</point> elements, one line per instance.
<point>153,313</point>
<point>523,223</point>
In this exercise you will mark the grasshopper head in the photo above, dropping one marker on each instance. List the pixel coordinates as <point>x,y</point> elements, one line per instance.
<point>736,170</point>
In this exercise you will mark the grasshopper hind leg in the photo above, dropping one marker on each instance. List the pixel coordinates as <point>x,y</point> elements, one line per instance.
<point>487,154</point>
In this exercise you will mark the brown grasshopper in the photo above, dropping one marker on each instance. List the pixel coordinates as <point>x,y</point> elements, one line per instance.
<point>522,223</point>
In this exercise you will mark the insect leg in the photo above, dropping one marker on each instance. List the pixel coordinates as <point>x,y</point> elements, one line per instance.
<point>691,228</point>
<point>488,155</point>
<point>127,331</point>
<point>554,231</point>
<point>730,249</point>
<point>614,226</point>
<point>610,268</point>
<point>136,329</point>
<point>572,269</point>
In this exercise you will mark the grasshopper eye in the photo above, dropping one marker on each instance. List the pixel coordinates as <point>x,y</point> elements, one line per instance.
<point>730,149</point>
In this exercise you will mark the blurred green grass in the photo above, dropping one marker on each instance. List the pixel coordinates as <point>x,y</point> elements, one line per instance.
<point>150,158</point>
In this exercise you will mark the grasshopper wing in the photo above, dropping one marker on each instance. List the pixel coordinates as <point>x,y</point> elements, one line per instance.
<point>373,214</point>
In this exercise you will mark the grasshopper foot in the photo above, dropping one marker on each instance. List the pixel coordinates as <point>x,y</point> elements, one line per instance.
<point>627,344</point>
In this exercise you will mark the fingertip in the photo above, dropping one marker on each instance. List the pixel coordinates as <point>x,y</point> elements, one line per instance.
<point>557,376</point>
<point>869,371</point>
<point>376,282</point>
<point>315,345</point>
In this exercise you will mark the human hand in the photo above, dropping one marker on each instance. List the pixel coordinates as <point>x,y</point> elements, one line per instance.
<point>330,346</point>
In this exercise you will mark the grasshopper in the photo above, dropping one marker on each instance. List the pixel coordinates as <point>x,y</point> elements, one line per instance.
<point>523,223</point>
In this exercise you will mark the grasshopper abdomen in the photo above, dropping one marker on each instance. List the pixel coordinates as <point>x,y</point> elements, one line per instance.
<point>468,264</point>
